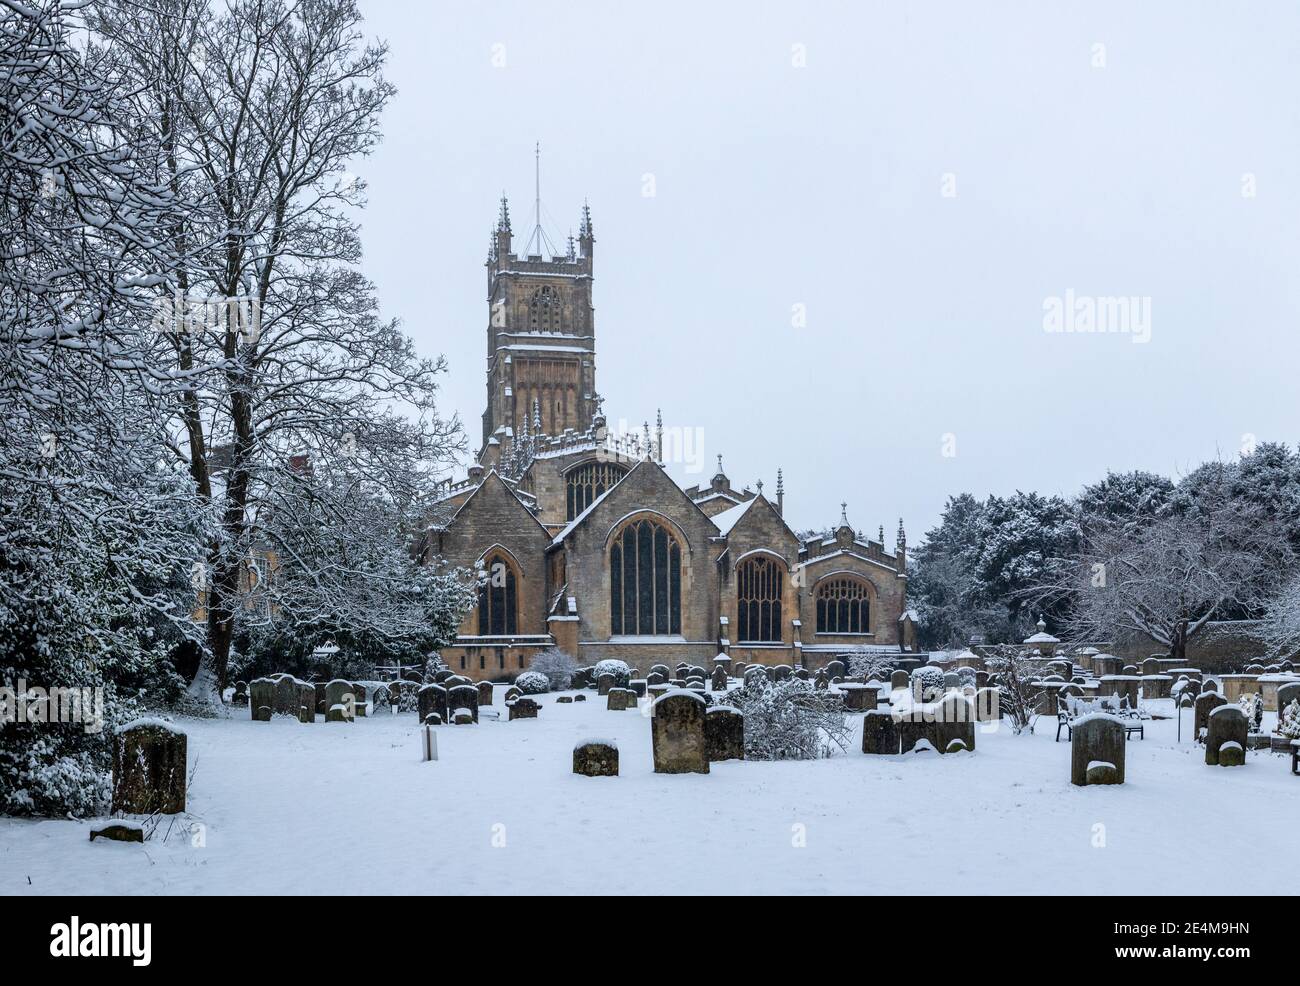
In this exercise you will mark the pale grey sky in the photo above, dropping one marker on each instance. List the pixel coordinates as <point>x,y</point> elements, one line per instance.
<point>823,186</point>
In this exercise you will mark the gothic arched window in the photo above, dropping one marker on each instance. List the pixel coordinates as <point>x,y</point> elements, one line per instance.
<point>498,598</point>
<point>758,588</point>
<point>645,569</point>
<point>585,483</point>
<point>843,606</point>
<point>544,310</point>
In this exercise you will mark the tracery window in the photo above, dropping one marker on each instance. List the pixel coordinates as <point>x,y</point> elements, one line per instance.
<point>843,606</point>
<point>645,567</point>
<point>498,598</point>
<point>544,310</point>
<point>585,483</point>
<point>758,587</point>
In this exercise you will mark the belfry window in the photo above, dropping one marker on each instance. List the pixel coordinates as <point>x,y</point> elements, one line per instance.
<point>544,310</point>
<point>585,483</point>
<point>758,588</point>
<point>645,569</point>
<point>843,606</point>
<point>498,598</point>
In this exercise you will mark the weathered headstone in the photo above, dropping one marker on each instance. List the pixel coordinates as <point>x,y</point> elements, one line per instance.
<point>955,725</point>
<point>596,758</point>
<point>523,708</point>
<point>616,699</point>
<point>432,699</point>
<point>463,697</point>
<point>1097,750</point>
<point>261,699</point>
<point>484,693</point>
<point>900,679</point>
<point>1206,702</point>
<point>719,678</point>
<point>879,733</point>
<point>677,734</point>
<point>604,683</point>
<point>858,698</point>
<point>1225,737</point>
<point>149,768</point>
<point>724,734</point>
<point>240,698</point>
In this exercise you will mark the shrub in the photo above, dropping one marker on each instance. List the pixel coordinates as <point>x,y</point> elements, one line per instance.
<point>532,683</point>
<point>789,720</point>
<point>619,669</point>
<point>558,667</point>
<point>1288,721</point>
<point>930,681</point>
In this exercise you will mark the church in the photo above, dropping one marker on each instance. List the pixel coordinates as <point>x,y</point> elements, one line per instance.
<point>583,541</point>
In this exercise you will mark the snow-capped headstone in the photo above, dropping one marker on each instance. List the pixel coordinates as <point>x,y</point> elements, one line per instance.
<point>1097,743</point>
<point>677,734</point>
<point>432,699</point>
<point>604,683</point>
<point>596,758</point>
<point>1206,702</point>
<point>879,733</point>
<point>523,708</point>
<point>261,699</point>
<point>1225,737</point>
<point>149,768</point>
<point>484,693</point>
<point>463,697</point>
<point>616,699</point>
<point>719,678</point>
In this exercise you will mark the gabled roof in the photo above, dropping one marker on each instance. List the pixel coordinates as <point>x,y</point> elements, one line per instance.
<point>643,463</point>
<point>493,474</point>
<point>728,518</point>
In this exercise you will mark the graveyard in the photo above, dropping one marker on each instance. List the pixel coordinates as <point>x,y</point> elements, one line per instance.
<point>349,804</point>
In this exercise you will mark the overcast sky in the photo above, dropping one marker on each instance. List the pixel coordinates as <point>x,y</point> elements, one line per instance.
<point>1144,150</point>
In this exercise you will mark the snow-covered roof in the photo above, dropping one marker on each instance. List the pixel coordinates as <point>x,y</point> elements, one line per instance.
<point>728,518</point>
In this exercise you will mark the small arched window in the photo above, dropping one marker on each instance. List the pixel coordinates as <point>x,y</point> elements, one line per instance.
<point>843,606</point>
<point>645,569</point>
<point>587,482</point>
<point>758,590</point>
<point>498,598</point>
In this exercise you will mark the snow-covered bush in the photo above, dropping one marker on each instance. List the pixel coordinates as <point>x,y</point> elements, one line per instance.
<point>866,663</point>
<point>929,680</point>
<point>619,669</point>
<point>1018,691</point>
<point>556,665</point>
<point>789,720</point>
<point>1288,721</point>
<point>532,683</point>
<point>1253,707</point>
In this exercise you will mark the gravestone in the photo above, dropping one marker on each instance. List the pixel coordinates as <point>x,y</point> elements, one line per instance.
<point>596,758</point>
<point>950,680</point>
<point>1206,702</point>
<point>834,668</point>
<point>858,698</point>
<point>564,700</point>
<point>988,705</point>
<point>719,680</point>
<point>1286,694</point>
<point>580,697</point>
<point>955,727</point>
<point>261,699</point>
<point>1225,737</point>
<point>677,734</point>
<point>339,694</point>
<point>724,734</point>
<point>463,697</point>
<point>319,689</point>
<point>900,679</point>
<point>295,698</point>
<point>149,769</point>
<point>240,698</point>
<point>656,678</point>
<point>484,693</point>
<point>604,683</point>
<point>782,672</point>
<point>637,686</point>
<point>432,699</point>
<point>523,708</point>
<point>879,733</point>
<point>616,699</point>
<point>1097,750</point>
<point>442,674</point>
<point>511,694</point>
<point>358,698</point>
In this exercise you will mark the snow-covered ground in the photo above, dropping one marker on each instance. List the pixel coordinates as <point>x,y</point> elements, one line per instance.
<point>335,809</point>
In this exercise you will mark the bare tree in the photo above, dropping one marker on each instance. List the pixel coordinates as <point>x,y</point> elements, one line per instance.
<point>1017,677</point>
<point>1280,627</point>
<point>1168,578</point>
<point>261,108</point>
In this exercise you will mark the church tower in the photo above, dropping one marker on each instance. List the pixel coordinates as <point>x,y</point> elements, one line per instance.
<point>541,336</point>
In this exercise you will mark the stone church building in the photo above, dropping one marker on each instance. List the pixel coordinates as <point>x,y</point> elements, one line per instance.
<point>583,541</point>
